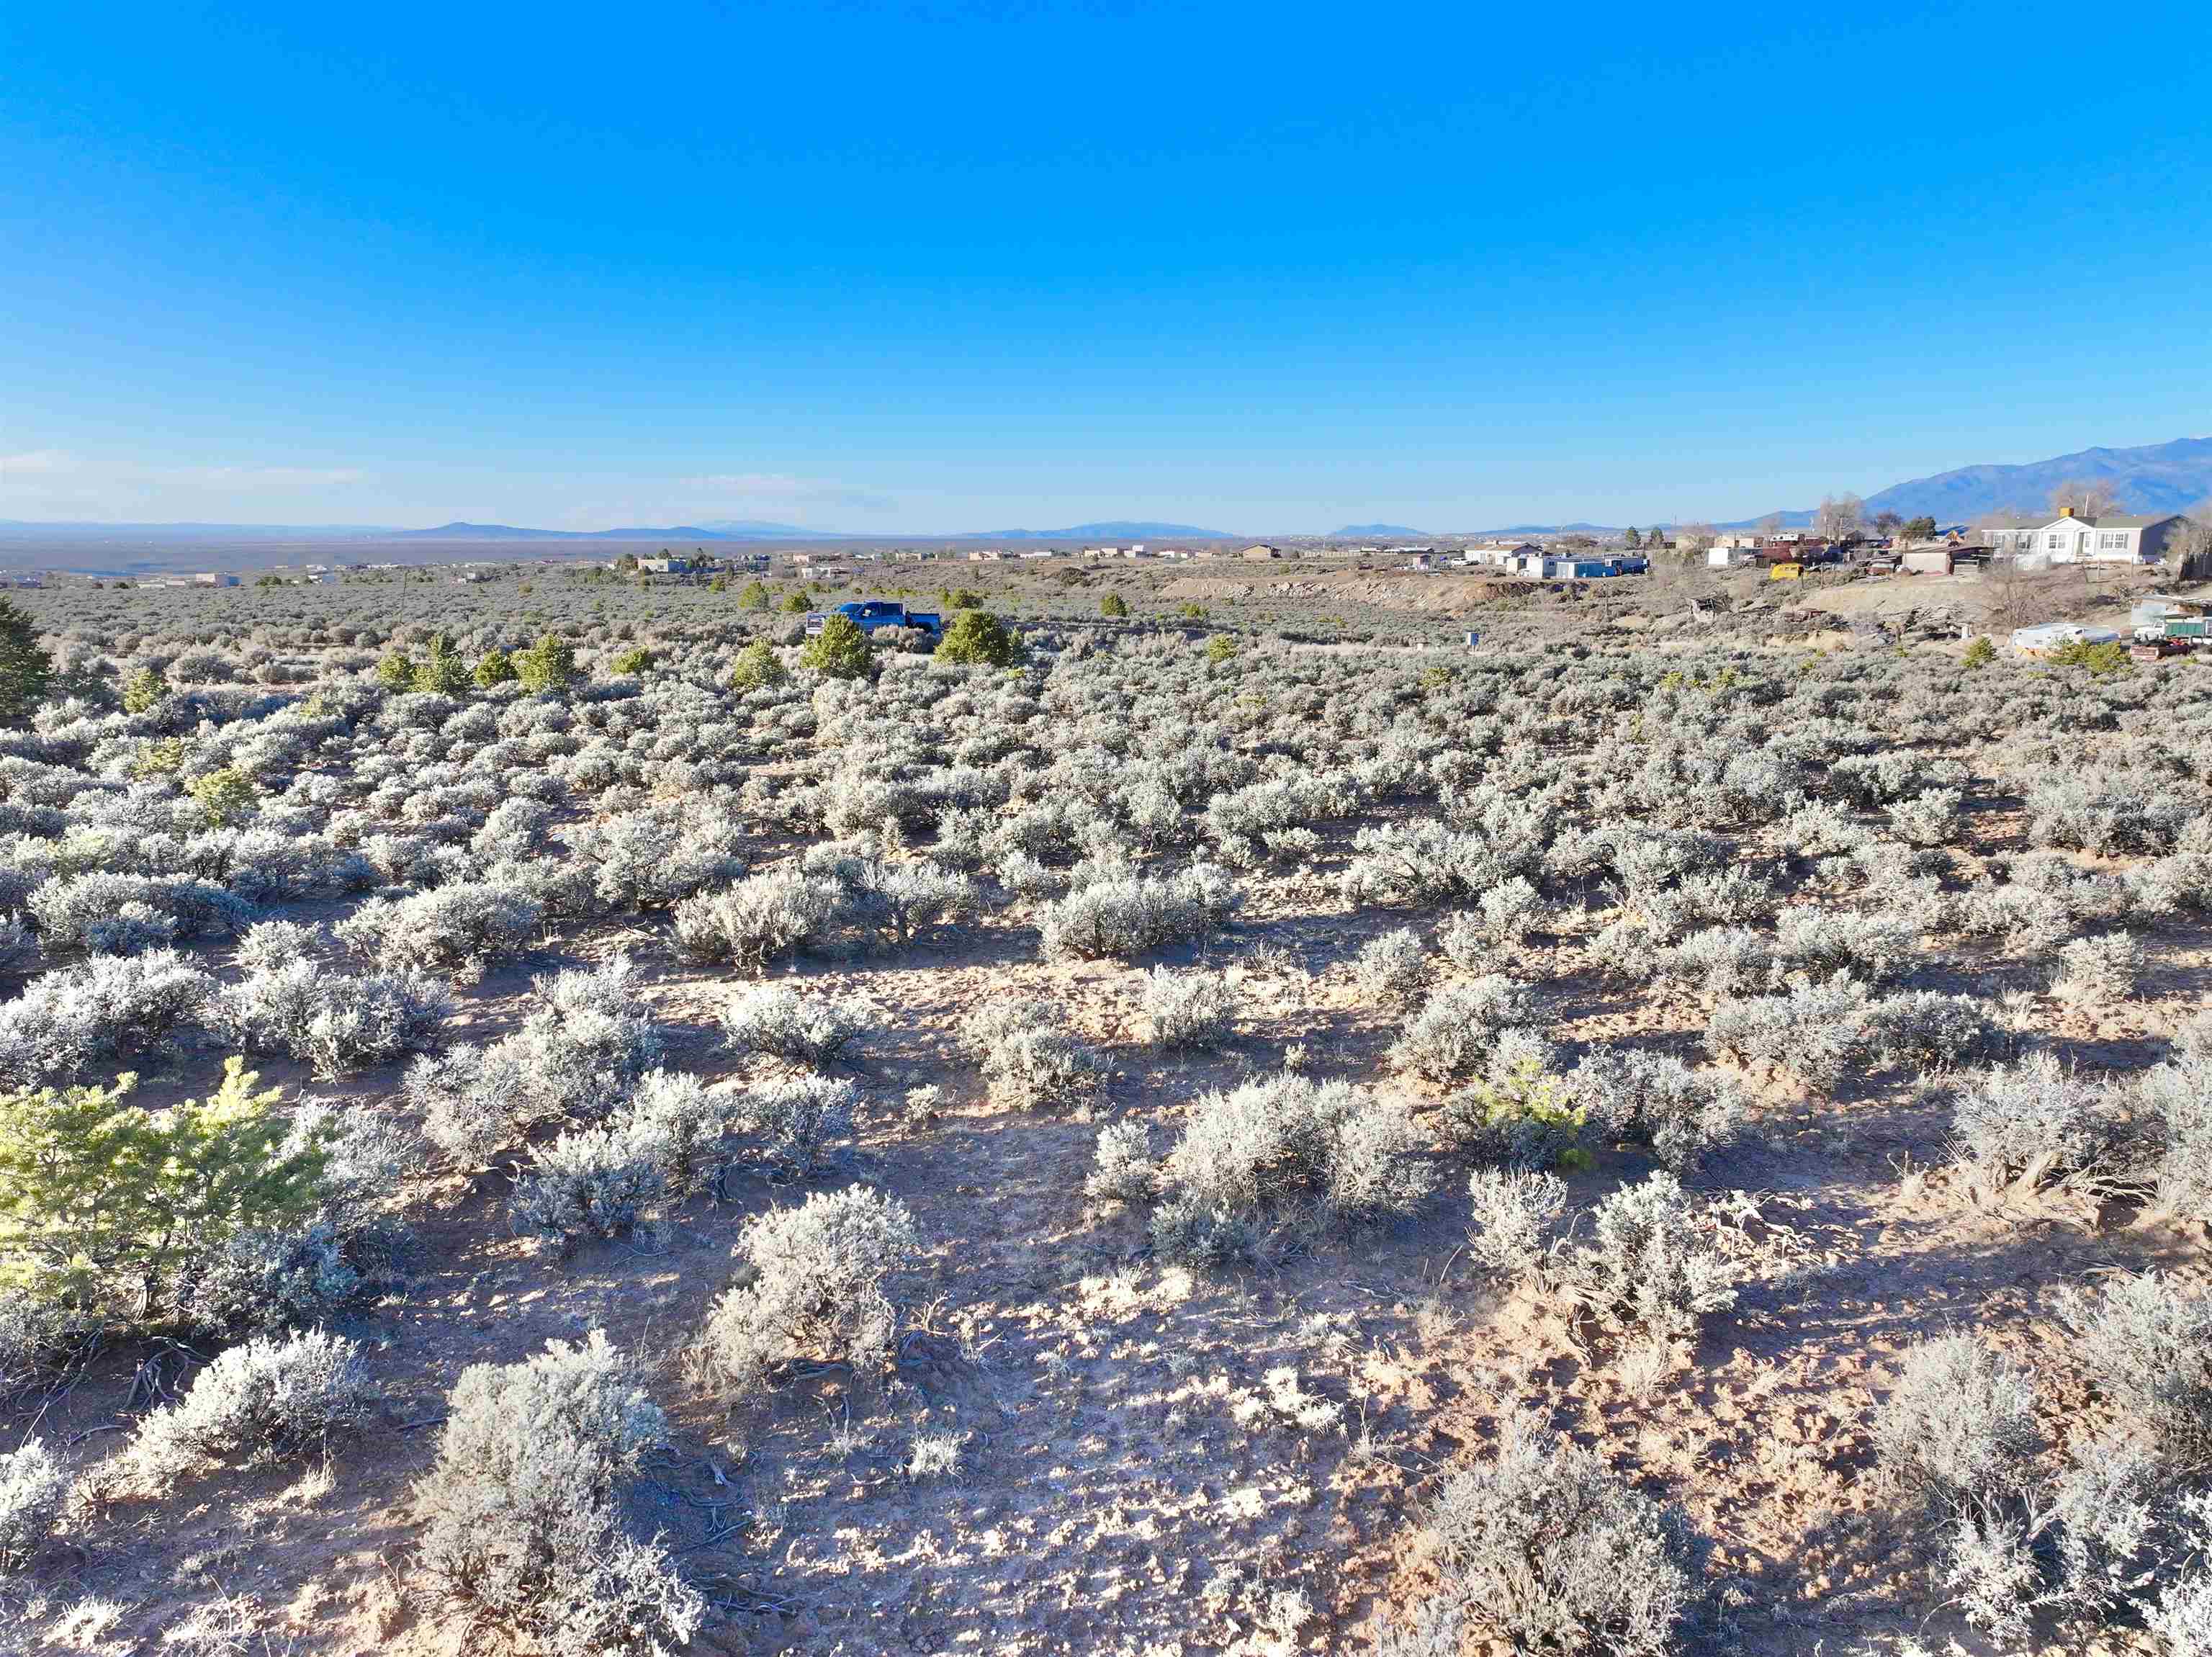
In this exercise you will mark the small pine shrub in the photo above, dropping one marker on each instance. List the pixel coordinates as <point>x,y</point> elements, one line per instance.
<point>144,691</point>
<point>1522,1117</point>
<point>441,672</point>
<point>757,668</point>
<point>978,639</point>
<point>547,666</point>
<point>226,797</point>
<point>114,1208</point>
<point>840,650</point>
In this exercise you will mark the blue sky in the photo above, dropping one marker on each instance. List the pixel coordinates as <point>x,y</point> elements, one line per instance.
<point>960,268</point>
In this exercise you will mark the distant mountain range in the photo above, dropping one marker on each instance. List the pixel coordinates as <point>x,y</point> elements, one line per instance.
<point>748,529</point>
<point>1351,530</point>
<point>2157,477</point>
<point>1115,530</point>
<point>468,532</point>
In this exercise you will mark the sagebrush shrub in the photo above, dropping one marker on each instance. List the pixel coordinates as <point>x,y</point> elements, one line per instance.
<point>267,946</point>
<point>576,1058</point>
<point>1125,915</point>
<point>1125,1172</point>
<point>1195,1008</point>
<point>522,1528</point>
<point>2037,1122</point>
<point>802,1120</point>
<point>337,1022</point>
<point>1544,1547</point>
<point>2148,1343</point>
<point>68,1020</point>
<point>268,1397</point>
<point>1030,1060</point>
<point>678,1125</point>
<point>1284,1150</point>
<point>1452,1036</point>
<point>792,1024</point>
<point>1656,1101</point>
<point>1511,1214</point>
<point>452,928</point>
<point>2101,969</point>
<point>590,1182</point>
<point>1814,1032</point>
<point>1927,1029</point>
<point>1651,1262</point>
<point>34,1490</point>
<point>762,918</point>
<point>816,1286</point>
<point>1393,969</point>
<point>1959,1429</point>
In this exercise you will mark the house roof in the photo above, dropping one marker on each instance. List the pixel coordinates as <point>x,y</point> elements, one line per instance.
<point>2113,521</point>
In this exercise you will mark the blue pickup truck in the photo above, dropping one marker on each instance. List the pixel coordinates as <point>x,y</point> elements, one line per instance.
<point>874,614</point>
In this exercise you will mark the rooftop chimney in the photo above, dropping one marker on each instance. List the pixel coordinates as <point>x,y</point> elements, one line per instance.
<point>2065,511</point>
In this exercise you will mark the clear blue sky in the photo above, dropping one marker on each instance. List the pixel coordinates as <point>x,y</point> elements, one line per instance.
<point>950,267</point>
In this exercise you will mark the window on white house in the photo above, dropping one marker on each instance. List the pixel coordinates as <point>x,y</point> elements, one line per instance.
<point>2057,543</point>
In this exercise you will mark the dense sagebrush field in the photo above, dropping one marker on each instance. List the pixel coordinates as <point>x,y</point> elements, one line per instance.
<point>1174,1144</point>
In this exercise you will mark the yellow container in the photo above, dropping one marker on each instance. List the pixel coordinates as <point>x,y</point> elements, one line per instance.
<point>1786,572</point>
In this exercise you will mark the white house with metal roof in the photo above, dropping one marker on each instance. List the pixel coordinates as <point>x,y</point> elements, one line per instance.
<point>2110,538</point>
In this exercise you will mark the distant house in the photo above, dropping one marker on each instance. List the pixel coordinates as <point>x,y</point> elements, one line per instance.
<point>214,578</point>
<point>1262,552</point>
<point>1496,554</point>
<point>1731,558</point>
<point>2112,537</point>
